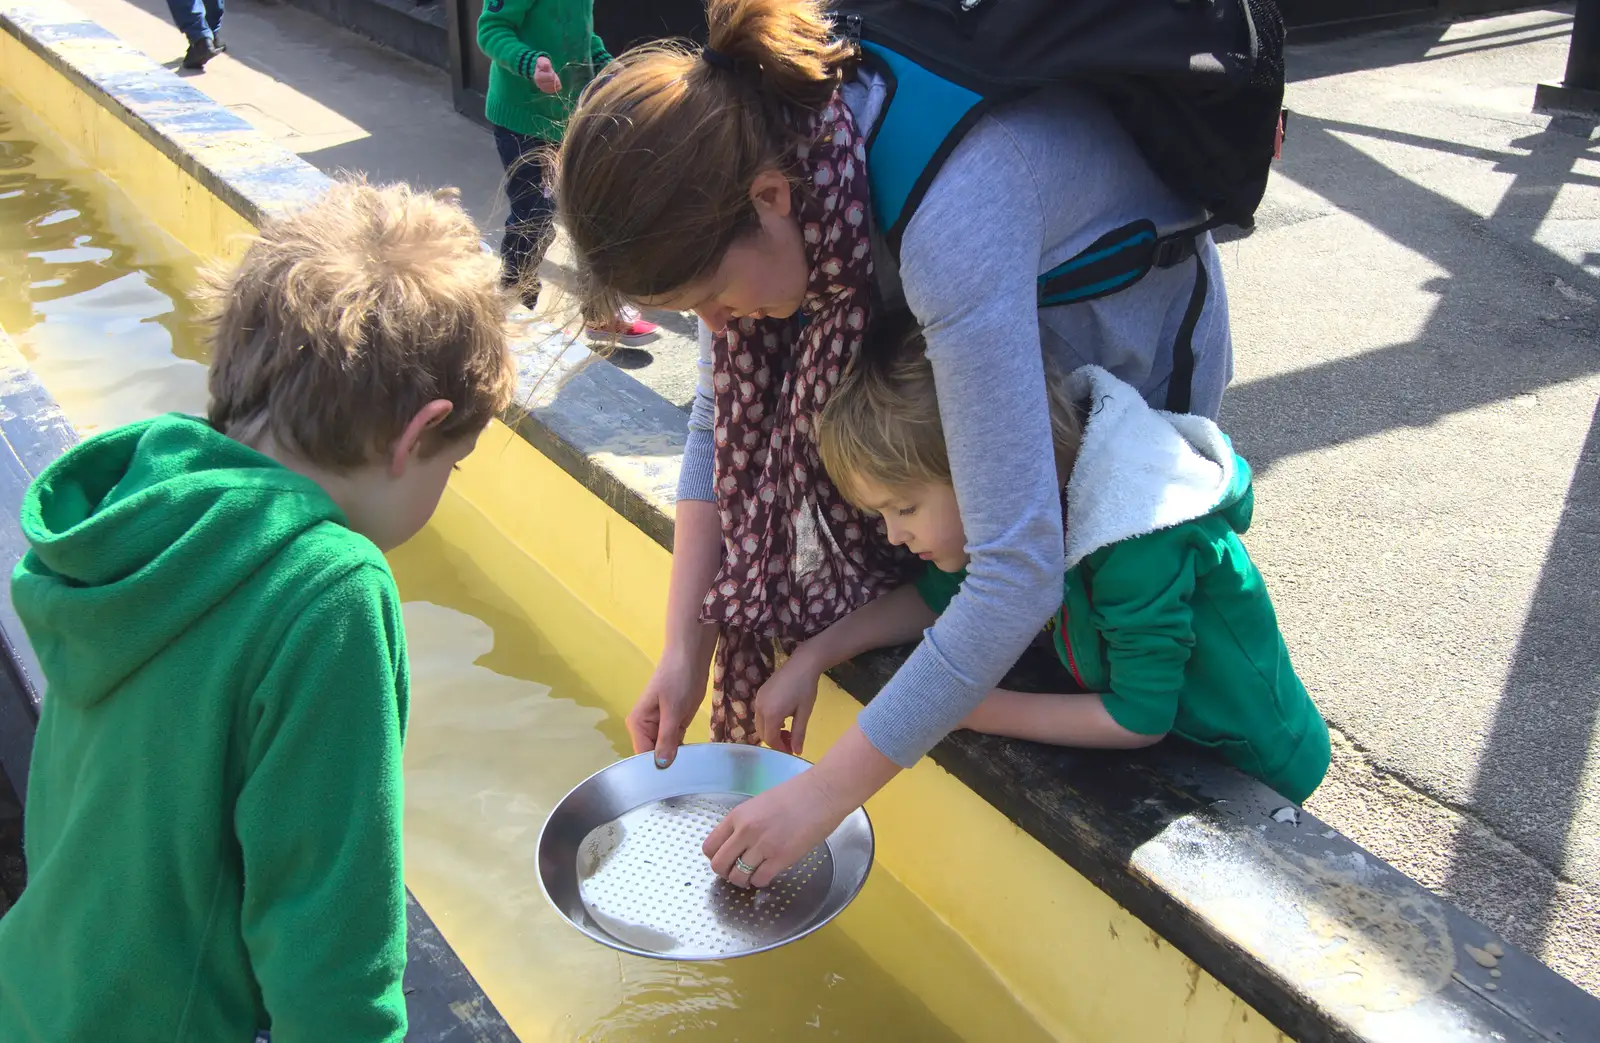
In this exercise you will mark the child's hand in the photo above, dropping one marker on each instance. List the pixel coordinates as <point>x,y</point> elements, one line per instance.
<point>791,692</point>
<point>544,76</point>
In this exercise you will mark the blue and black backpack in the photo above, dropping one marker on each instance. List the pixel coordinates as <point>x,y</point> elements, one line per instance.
<point>1197,84</point>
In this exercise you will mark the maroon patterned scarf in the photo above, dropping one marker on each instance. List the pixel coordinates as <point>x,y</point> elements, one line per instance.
<point>796,556</point>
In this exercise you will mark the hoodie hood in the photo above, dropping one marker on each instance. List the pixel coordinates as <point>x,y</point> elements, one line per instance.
<point>139,532</point>
<point>1140,470</point>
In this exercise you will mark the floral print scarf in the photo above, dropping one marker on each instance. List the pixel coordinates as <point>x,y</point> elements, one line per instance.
<point>796,555</point>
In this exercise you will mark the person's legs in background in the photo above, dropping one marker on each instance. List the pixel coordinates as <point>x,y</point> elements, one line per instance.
<point>530,226</point>
<point>194,19</point>
<point>214,21</point>
<point>530,223</point>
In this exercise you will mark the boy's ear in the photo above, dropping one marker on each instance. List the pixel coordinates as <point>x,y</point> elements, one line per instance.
<point>410,440</point>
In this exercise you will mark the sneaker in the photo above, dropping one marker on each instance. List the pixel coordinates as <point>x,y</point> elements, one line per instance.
<point>217,44</point>
<point>628,328</point>
<point>201,51</point>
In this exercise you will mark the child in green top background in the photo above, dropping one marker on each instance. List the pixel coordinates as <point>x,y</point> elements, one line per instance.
<point>213,825</point>
<point>542,54</point>
<point>1164,620</point>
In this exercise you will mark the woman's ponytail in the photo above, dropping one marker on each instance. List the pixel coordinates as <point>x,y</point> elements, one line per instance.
<point>788,45</point>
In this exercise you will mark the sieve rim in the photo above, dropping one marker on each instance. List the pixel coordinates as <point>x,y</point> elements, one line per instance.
<point>856,828</point>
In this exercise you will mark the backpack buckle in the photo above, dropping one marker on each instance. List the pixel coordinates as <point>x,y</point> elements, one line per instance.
<point>1174,251</point>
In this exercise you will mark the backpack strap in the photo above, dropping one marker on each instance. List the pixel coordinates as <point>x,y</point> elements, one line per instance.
<point>1180,386</point>
<point>1116,261</point>
<point>918,129</point>
<point>1121,258</point>
<point>916,132</point>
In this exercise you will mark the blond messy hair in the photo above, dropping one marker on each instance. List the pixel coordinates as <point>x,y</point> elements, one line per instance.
<point>344,319</point>
<point>881,424</point>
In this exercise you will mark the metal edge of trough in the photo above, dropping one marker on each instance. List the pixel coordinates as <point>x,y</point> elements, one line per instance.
<point>444,1002</point>
<point>1280,908</point>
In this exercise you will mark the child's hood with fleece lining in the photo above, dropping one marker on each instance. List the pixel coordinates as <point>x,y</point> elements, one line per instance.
<point>1140,470</point>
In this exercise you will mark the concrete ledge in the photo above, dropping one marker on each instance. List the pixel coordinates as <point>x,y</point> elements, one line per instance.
<point>1324,939</point>
<point>33,431</point>
<point>618,438</point>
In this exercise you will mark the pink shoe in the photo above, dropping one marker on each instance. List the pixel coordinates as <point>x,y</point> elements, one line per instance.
<point>628,328</point>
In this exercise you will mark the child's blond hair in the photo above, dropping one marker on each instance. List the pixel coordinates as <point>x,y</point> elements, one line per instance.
<point>344,319</point>
<point>882,422</point>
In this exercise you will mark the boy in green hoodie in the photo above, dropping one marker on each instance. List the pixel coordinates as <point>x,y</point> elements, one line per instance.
<point>542,54</point>
<point>214,804</point>
<point>1164,619</point>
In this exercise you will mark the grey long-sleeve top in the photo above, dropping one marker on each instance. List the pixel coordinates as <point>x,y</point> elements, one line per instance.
<point>1031,185</point>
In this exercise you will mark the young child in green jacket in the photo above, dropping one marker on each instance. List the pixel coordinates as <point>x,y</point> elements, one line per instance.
<point>214,805</point>
<point>542,54</point>
<point>1163,619</point>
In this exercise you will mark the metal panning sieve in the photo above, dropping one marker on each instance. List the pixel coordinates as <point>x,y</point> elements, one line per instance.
<point>620,858</point>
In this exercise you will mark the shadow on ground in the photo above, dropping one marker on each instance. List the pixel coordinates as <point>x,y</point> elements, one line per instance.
<point>1417,43</point>
<point>1481,345</point>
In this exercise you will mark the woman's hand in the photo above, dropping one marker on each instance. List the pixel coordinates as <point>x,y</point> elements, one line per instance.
<point>666,706</point>
<point>545,78</point>
<point>678,686</point>
<point>773,830</point>
<point>790,692</point>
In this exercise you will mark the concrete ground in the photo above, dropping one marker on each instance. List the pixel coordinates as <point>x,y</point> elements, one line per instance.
<point>1418,342</point>
<point>1417,321</point>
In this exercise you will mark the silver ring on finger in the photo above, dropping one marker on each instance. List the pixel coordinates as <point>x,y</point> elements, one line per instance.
<point>740,864</point>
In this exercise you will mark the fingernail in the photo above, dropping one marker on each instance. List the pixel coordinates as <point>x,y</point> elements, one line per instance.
<point>661,762</point>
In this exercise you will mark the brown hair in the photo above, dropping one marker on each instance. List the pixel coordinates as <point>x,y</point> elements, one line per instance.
<point>344,319</point>
<point>882,423</point>
<point>654,172</point>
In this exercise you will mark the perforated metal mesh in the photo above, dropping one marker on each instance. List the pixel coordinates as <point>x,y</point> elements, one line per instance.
<point>643,880</point>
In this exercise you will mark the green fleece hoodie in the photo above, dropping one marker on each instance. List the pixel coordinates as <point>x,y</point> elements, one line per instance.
<point>515,34</point>
<point>213,816</point>
<point>1162,611</point>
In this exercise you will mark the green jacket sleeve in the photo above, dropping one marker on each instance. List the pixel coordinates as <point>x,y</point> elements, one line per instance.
<point>598,53</point>
<point>318,820</point>
<point>497,35</point>
<point>938,588</point>
<point>1139,603</point>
